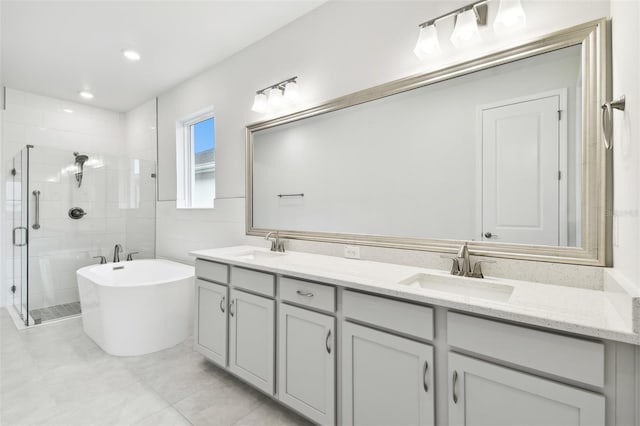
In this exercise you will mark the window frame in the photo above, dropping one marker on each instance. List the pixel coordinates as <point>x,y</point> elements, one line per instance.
<point>186,168</point>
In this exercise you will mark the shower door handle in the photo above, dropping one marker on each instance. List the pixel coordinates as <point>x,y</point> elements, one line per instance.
<point>25,240</point>
<point>36,224</point>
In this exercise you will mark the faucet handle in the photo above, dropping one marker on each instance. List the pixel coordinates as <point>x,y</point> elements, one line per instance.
<point>477,268</point>
<point>130,255</point>
<point>103,259</point>
<point>455,266</point>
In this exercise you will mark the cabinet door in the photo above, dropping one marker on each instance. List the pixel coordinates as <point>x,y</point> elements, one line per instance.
<point>307,361</point>
<point>386,379</point>
<point>486,394</point>
<point>251,339</point>
<point>210,322</point>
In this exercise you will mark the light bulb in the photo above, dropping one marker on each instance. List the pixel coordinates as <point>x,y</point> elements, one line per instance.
<point>292,91</point>
<point>86,94</point>
<point>259,103</point>
<point>510,17</point>
<point>466,29</point>
<point>276,98</point>
<point>131,55</point>
<point>427,41</point>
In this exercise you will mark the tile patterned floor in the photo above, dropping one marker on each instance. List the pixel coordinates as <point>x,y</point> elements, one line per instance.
<point>55,312</point>
<point>56,375</point>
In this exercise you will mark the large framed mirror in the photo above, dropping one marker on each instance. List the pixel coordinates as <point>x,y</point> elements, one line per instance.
<point>503,152</point>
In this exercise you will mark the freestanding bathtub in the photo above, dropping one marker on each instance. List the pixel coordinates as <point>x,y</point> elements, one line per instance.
<point>137,307</point>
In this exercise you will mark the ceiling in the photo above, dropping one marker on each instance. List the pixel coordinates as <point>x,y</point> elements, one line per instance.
<point>58,48</point>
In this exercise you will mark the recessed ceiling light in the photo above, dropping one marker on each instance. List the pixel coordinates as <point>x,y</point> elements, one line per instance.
<point>86,94</point>
<point>67,110</point>
<point>131,55</point>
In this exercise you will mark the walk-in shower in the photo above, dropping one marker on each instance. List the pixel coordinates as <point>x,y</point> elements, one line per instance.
<point>64,208</point>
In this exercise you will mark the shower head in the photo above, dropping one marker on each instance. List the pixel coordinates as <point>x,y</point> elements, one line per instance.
<point>81,158</point>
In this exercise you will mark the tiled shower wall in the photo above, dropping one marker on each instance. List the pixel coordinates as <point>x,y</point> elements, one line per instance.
<point>118,191</point>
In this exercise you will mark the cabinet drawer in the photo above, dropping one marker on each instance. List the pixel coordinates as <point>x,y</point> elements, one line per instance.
<point>405,318</point>
<point>569,357</point>
<point>212,271</point>
<point>310,294</point>
<point>257,282</point>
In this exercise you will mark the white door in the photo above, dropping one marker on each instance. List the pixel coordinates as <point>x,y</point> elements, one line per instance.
<point>251,339</point>
<point>386,379</point>
<point>307,362</point>
<point>481,393</point>
<point>210,334</point>
<point>520,172</point>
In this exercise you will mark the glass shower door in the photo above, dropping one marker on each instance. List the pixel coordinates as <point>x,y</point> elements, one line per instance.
<point>20,232</point>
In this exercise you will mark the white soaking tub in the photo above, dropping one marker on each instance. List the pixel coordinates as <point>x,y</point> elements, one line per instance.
<point>137,307</point>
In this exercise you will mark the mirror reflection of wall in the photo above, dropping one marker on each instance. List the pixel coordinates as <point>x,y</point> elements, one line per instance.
<point>484,156</point>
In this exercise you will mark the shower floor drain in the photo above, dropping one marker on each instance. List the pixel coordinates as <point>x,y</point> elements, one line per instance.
<point>55,312</point>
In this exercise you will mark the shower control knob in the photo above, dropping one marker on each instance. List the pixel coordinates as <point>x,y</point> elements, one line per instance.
<point>76,213</point>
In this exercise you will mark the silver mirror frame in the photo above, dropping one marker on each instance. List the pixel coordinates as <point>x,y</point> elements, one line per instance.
<point>596,166</point>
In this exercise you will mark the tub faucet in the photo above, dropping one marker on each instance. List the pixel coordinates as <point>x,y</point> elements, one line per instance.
<point>116,253</point>
<point>276,244</point>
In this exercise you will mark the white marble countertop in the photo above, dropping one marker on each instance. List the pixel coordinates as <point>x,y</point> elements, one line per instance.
<point>569,309</point>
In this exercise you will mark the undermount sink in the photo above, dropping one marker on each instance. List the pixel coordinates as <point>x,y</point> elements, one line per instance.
<point>451,284</point>
<point>258,254</point>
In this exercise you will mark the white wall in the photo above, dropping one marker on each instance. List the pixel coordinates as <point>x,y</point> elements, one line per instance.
<point>338,48</point>
<point>626,136</point>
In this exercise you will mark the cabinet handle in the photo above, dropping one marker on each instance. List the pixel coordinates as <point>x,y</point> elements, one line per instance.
<point>454,383</point>
<point>304,293</point>
<point>231,308</point>
<point>222,303</point>
<point>424,376</point>
<point>326,342</point>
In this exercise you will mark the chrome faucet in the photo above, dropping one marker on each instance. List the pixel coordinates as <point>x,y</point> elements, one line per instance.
<point>276,243</point>
<point>463,261</point>
<point>462,264</point>
<point>116,253</point>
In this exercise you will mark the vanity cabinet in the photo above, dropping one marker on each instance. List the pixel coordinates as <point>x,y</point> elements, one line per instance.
<point>210,322</point>
<point>482,393</point>
<point>307,362</point>
<point>251,339</point>
<point>386,379</point>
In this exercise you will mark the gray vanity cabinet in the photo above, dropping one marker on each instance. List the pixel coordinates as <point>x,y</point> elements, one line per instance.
<point>482,393</point>
<point>307,362</point>
<point>386,379</point>
<point>251,339</point>
<point>210,322</point>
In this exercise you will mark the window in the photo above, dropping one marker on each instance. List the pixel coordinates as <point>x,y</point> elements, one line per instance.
<point>196,162</point>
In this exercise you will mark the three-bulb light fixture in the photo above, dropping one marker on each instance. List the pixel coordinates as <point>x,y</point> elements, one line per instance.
<point>276,96</point>
<point>467,19</point>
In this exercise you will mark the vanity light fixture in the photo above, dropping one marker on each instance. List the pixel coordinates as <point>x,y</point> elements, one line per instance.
<point>510,17</point>
<point>275,96</point>
<point>427,40</point>
<point>260,103</point>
